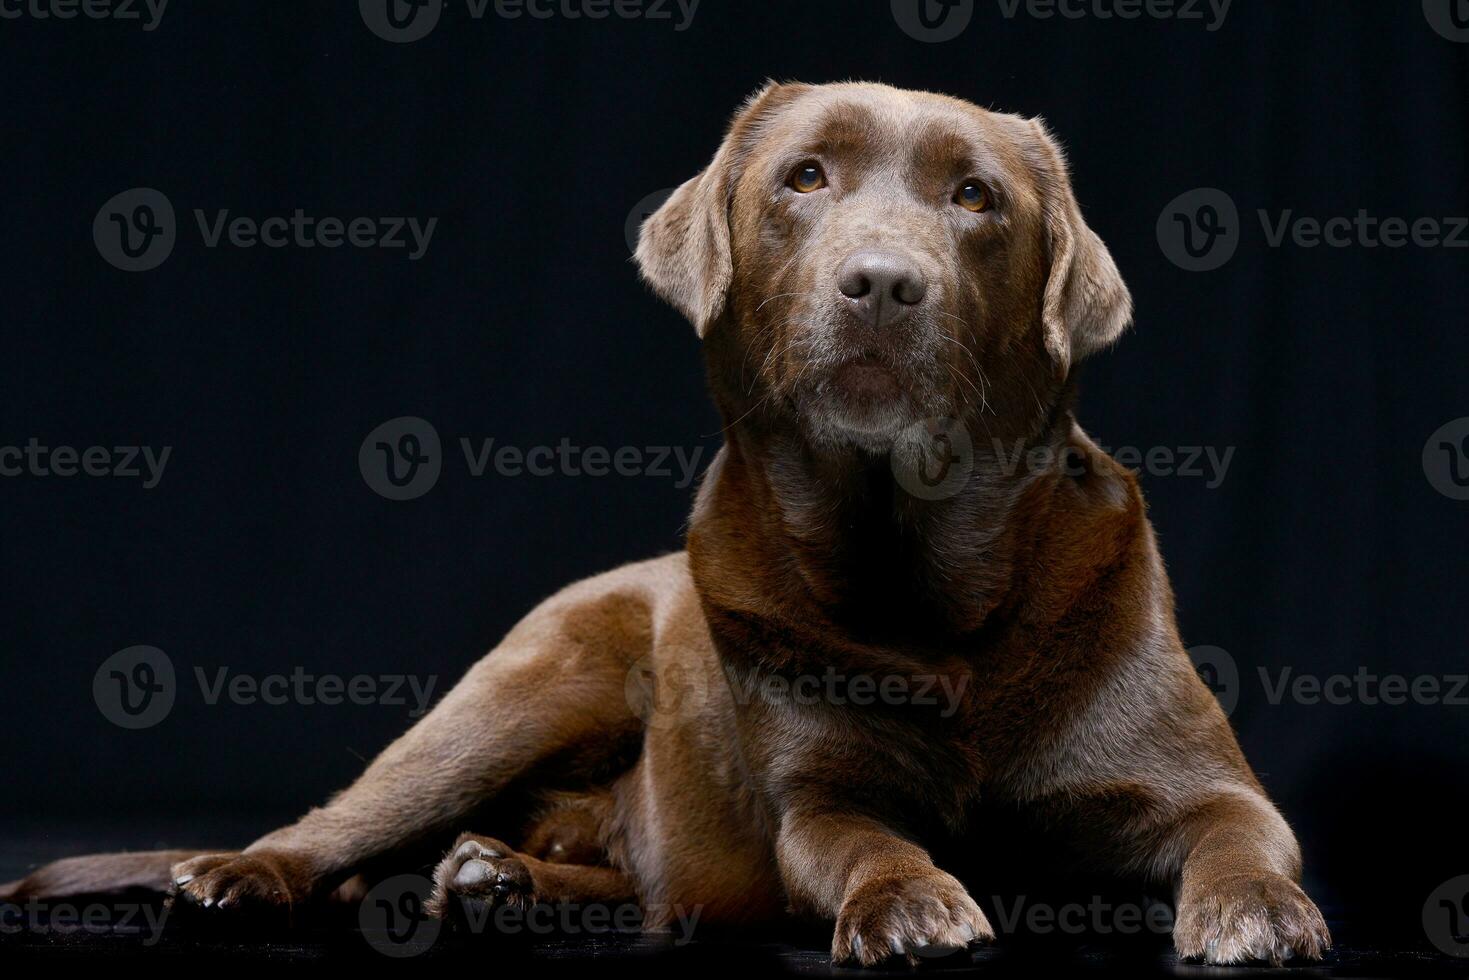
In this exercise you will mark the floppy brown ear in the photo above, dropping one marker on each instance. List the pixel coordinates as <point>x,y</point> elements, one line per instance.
<point>684,247</point>
<point>1086,305</point>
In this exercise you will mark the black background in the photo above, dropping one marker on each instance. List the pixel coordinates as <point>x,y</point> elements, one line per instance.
<point>1326,548</point>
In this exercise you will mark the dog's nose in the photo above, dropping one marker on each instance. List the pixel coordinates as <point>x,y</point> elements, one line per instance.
<point>881,285</point>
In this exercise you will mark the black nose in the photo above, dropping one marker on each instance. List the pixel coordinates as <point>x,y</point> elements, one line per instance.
<point>881,285</point>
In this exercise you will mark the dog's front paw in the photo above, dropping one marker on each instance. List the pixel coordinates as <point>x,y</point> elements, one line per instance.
<point>480,874</point>
<point>1249,918</point>
<point>931,915</point>
<point>264,879</point>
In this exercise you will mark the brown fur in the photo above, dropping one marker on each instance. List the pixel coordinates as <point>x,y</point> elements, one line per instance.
<point>1038,593</point>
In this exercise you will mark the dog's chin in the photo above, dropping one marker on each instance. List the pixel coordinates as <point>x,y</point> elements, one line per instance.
<point>861,404</point>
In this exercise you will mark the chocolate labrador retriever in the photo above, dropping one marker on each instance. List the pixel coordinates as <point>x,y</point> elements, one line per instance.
<point>741,727</point>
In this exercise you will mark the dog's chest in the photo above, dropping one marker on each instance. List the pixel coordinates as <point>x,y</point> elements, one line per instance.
<point>927,730</point>
<point>881,743</point>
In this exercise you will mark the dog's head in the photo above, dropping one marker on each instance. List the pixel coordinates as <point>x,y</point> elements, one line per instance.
<point>880,256</point>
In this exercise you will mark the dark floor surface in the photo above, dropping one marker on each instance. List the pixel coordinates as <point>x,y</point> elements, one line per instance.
<point>134,935</point>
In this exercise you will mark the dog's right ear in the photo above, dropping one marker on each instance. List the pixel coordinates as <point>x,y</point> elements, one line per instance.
<point>684,246</point>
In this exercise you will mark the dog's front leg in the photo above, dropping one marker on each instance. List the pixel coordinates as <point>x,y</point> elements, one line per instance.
<point>884,892</point>
<point>1237,894</point>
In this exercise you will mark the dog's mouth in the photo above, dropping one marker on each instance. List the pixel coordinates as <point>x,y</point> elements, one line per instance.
<point>856,386</point>
<point>866,381</point>
<point>863,397</point>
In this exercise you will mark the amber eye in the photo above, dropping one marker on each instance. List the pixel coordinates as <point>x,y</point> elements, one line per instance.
<point>808,177</point>
<point>974,196</point>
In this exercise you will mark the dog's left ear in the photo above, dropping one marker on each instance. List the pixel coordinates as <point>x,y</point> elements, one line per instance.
<point>1086,305</point>
<point>684,246</point>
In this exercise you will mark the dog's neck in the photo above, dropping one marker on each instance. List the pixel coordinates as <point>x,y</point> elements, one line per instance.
<point>835,532</point>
